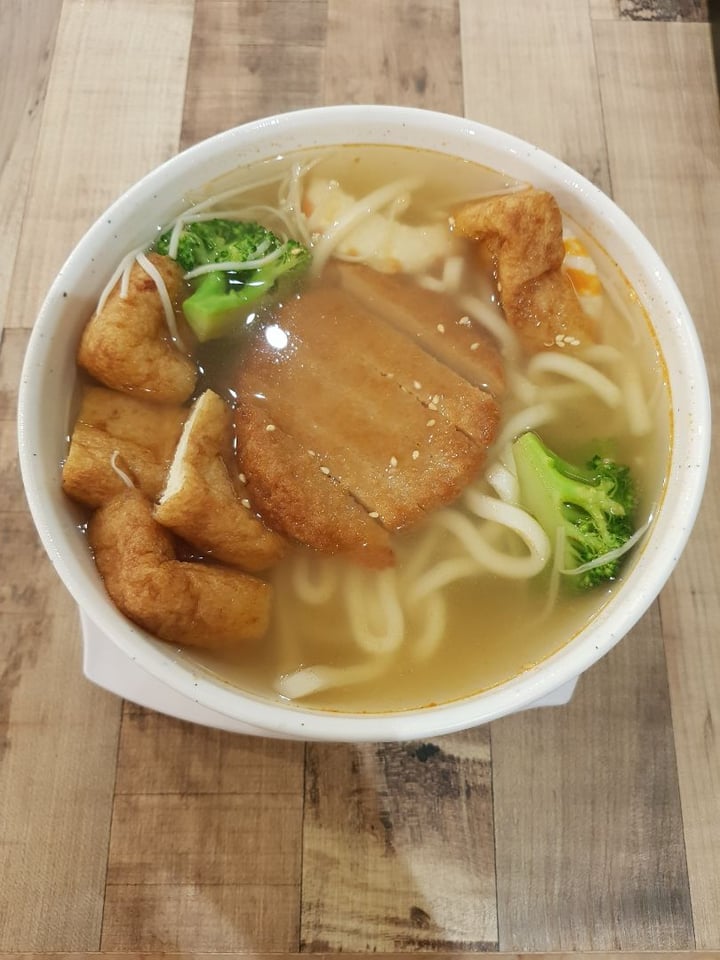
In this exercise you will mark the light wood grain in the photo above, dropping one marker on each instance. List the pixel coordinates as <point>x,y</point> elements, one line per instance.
<point>604,9</point>
<point>667,178</point>
<point>197,917</point>
<point>393,62</point>
<point>530,69</point>
<point>588,784</point>
<point>231,838</point>
<point>60,734</point>
<point>250,60</point>
<point>363,955</point>
<point>398,849</point>
<point>27,38</point>
<point>158,754</point>
<point>204,856</point>
<point>175,771</point>
<point>112,112</point>
<point>57,733</point>
<point>141,836</point>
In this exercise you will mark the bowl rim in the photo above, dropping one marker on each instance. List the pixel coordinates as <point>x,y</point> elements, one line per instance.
<point>290,720</point>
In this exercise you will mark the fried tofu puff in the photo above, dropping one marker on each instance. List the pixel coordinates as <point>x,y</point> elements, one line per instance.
<point>523,234</point>
<point>116,434</point>
<point>201,502</point>
<point>190,604</point>
<point>126,345</point>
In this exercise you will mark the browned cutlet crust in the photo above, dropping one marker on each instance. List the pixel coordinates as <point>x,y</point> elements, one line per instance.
<point>284,481</point>
<point>432,319</point>
<point>523,234</point>
<point>358,415</point>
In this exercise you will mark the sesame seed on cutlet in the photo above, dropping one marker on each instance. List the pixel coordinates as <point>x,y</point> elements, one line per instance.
<point>270,427</point>
<point>430,423</point>
<point>374,514</point>
<point>246,503</point>
<point>441,328</point>
<point>474,346</point>
<point>325,470</point>
<point>393,461</point>
<point>415,454</point>
<point>464,321</point>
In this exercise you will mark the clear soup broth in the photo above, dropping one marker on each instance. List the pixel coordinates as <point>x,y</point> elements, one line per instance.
<point>436,634</point>
<point>460,610</point>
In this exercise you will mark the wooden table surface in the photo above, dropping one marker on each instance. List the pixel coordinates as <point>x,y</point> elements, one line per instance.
<point>590,827</point>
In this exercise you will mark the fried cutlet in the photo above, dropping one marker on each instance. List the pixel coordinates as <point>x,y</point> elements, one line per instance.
<point>126,345</point>
<point>190,604</point>
<point>295,496</point>
<point>432,319</point>
<point>354,412</point>
<point>202,501</point>
<point>136,436</point>
<point>522,232</point>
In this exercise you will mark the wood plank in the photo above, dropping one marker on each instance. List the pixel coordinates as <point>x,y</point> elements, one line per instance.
<point>395,62</point>
<point>250,60</point>
<point>398,847</point>
<point>112,112</point>
<point>657,86</point>
<point>204,839</point>
<point>587,813</point>
<point>604,9</point>
<point>243,891</point>
<point>332,955</point>
<point>194,917</point>
<point>507,45</point>
<point>13,344</point>
<point>558,773</point>
<point>58,735</point>
<point>27,39</point>
<point>159,754</point>
<point>212,872</point>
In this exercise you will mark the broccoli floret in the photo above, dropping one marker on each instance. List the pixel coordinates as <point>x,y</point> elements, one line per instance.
<point>223,299</point>
<point>593,505</point>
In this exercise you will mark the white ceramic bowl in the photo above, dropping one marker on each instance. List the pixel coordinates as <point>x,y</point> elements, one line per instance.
<point>49,372</point>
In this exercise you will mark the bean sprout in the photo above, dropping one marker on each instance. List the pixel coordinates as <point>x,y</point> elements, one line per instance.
<point>155,275</point>
<point>372,203</point>
<point>237,265</point>
<point>120,472</point>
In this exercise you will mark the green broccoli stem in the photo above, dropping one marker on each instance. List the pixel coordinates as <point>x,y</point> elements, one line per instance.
<point>215,310</point>
<point>591,505</point>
